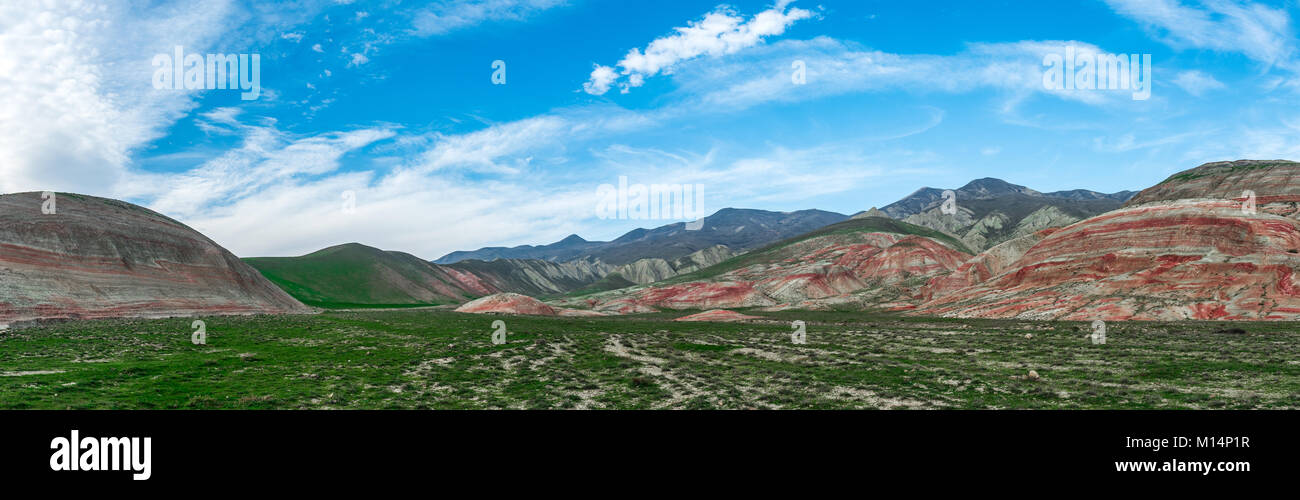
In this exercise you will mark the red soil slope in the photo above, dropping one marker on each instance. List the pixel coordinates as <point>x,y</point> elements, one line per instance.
<point>507,303</point>
<point>869,269</point>
<point>96,258</point>
<point>1273,181</point>
<point>1187,259</point>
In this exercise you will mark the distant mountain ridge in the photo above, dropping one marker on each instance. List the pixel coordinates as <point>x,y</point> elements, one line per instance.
<point>571,247</point>
<point>735,228</point>
<point>991,211</point>
<point>988,187</point>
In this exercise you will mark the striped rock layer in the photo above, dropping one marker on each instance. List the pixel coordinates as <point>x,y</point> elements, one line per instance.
<point>95,258</point>
<point>984,266</point>
<point>1186,259</point>
<point>868,269</point>
<point>1272,181</point>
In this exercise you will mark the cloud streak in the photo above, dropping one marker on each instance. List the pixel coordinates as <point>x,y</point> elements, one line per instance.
<point>1258,31</point>
<point>453,15</point>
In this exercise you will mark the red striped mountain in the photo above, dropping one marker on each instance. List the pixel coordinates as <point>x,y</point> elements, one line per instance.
<point>95,257</point>
<point>867,262</point>
<point>1273,181</point>
<point>1183,249</point>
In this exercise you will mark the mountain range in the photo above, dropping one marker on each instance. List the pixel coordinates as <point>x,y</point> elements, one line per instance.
<point>735,228</point>
<point>927,198</point>
<point>1220,241</point>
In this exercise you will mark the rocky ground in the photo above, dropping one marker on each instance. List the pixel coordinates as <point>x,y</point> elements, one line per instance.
<point>441,359</point>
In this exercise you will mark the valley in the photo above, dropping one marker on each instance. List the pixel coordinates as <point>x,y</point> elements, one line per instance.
<point>904,307</point>
<point>437,359</point>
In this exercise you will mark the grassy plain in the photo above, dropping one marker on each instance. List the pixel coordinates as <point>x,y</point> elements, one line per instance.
<point>430,358</point>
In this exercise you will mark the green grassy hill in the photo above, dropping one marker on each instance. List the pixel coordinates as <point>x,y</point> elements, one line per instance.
<point>355,275</point>
<point>612,281</point>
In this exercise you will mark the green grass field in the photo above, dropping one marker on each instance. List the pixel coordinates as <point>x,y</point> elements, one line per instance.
<point>439,359</point>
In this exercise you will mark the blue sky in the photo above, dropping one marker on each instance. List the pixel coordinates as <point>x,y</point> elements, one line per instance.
<point>393,103</point>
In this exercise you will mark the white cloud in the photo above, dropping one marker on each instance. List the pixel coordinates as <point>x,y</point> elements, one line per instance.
<point>267,158</point>
<point>358,59</point>
<point>452,15</point>
<point>1197,83</point>
<point>719,33</point>
<point>280,194</point>
<point>602,77</point>
<point>317,48</point>
<point>76,97</point>
<point>1261,33</point>
<point>294,37</point>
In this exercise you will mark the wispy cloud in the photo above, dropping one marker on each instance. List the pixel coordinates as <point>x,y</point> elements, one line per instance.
<point>1197,83</point>
<point>445,17</point>
<point>1258,31</point>
<point>834,67</point>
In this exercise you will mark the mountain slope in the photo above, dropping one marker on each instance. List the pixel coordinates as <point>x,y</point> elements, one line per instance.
<point>1271,180</point>
<point>569,248</point>
<point>737,229</point>
<point>867,262</point>
<point>533,277</point>
<point>96,257</point>
<point>355,275</point>
<point>1160,257</point>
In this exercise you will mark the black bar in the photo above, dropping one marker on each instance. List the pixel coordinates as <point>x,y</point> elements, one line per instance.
<point>193,447</point>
